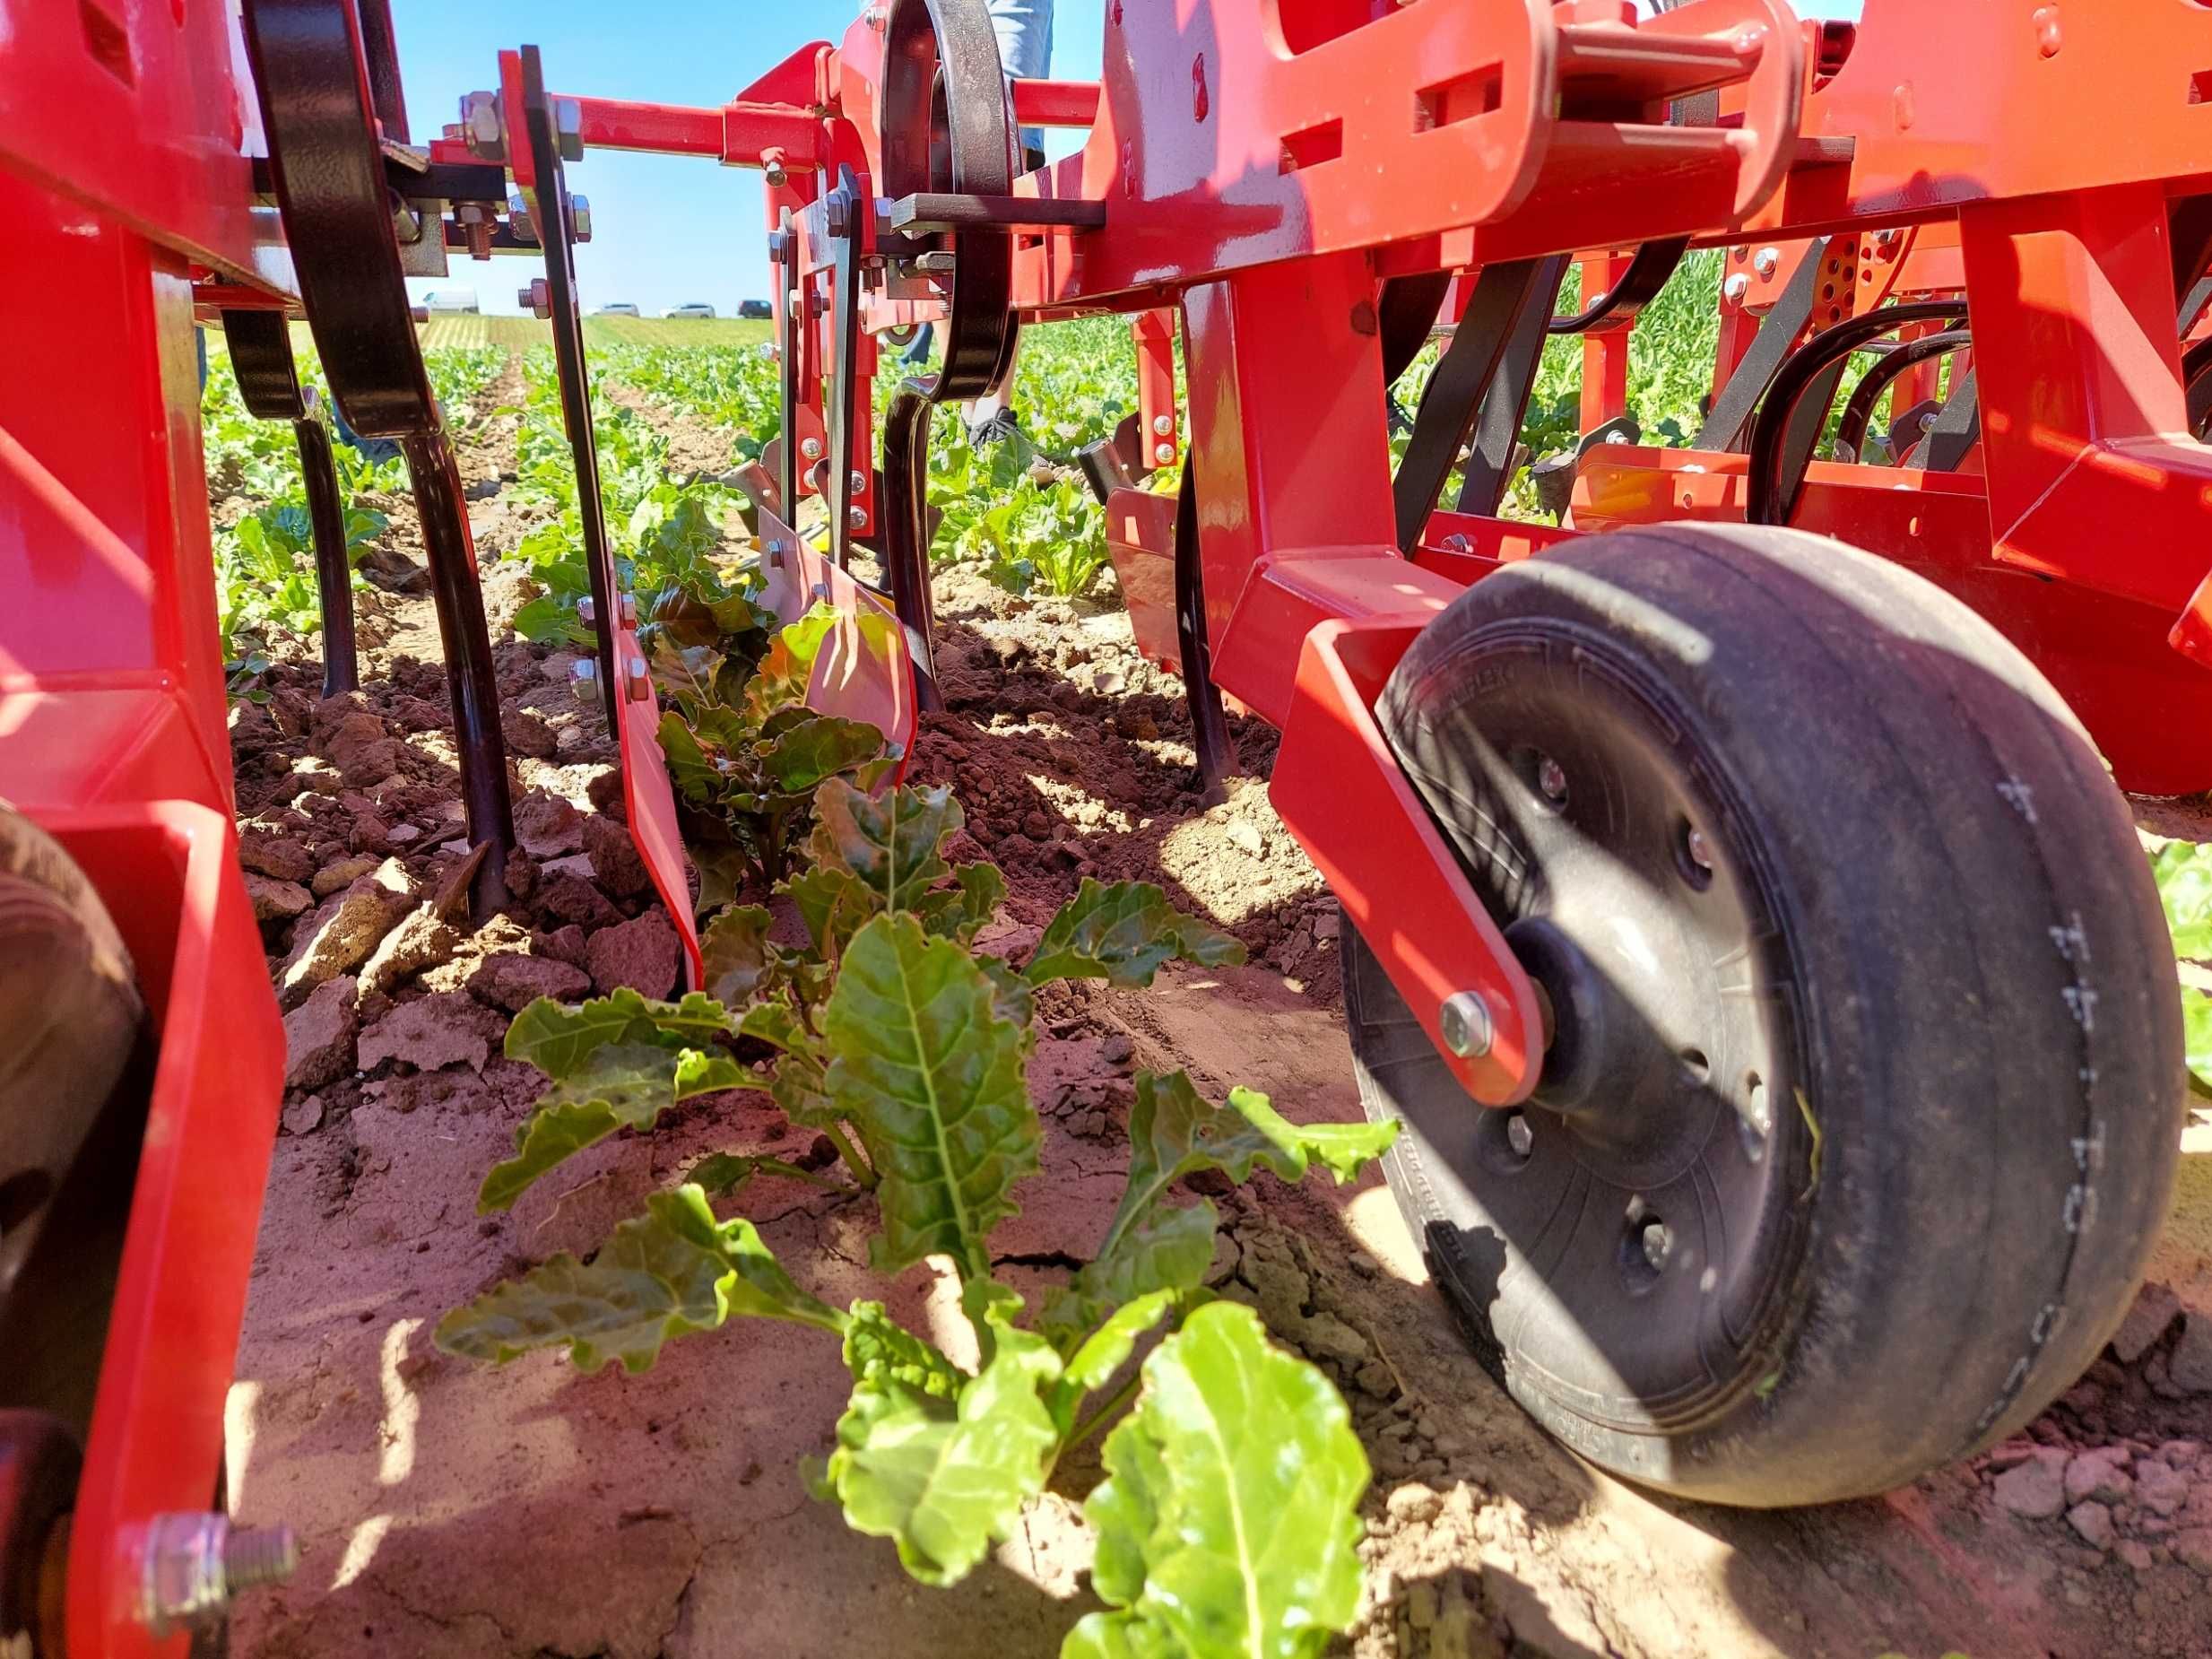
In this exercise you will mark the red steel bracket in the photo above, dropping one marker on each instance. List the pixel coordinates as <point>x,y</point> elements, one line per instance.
<point>169,871</point>
<point>1342,794</point>
<point>649,800</point>
<point>864,671</point>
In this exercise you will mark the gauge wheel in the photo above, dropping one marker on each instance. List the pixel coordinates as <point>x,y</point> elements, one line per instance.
<point>70,1016</point>
<point>39,1467</point>
<point>1864,1087</point>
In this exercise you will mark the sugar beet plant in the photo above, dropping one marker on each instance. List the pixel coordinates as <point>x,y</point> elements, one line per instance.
<point>1227,1520</point>
<point>265,556</point>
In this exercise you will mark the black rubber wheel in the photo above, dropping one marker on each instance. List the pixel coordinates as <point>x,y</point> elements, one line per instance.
<point>69,1011</point>
<point>39,1468</point>
<point>75,1066</point>
<point>1866,1085</point>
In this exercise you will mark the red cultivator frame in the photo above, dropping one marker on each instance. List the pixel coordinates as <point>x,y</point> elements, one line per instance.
<point>1777,901</point>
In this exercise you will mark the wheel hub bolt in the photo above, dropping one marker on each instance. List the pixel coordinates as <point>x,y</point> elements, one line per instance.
<point>1699,853</point>
<point>1760,1111</point>
<point>1519,1136</point>
<point>1551,778</point>
<point>1463,1020</point>
<point>1657,1242</point>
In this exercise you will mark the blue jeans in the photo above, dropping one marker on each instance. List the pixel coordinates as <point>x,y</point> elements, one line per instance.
<point>1025,33</point>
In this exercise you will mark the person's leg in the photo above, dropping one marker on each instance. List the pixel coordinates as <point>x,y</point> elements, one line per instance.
<point>1025,33</point>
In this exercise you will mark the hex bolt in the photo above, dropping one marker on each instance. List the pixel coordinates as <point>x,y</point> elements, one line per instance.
<point>1163,453</point>
<point>1699,853</point>
<point>638,682</point>
<point>1457,544</point>
<point>1551,779</point>
<point>857,517</point>
<point>406,221</point>
<point>1464,1022</point>
<point>537,299</point>
<point>1164,425</point>
<point>810,447</point>
<point>772,167</point>
<point>1766,261</point>
<point>587,609</point>
<point>820,590</point>
<point>569,128</point>
<point>580,217</point>
<point>518,219</point>
<point>626,608</point>
<point>584,678</point>
<point>1759,1111</point>
<point>1658,1242</point>
<point>484,128</point>
<point>192,1564</point>
<point>1735,287</point>
<point>772,553</point>
<point>1519,1134</point>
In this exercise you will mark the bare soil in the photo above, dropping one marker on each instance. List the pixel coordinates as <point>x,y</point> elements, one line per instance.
<point>449,1510</point>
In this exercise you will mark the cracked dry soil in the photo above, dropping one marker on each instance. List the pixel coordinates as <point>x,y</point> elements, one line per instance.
<point>446,1510</point>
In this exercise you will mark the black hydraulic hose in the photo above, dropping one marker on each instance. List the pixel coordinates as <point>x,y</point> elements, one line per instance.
<point>1639,285</point>
<point>2196,386</point>
<point>1768,503</point>
<point>1852,431</point>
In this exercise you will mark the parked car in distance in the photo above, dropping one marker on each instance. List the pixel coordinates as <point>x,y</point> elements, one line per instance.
<point>451,299</point>
<point>620,308</point>
<point>691,310</point>
<point>755,307</point>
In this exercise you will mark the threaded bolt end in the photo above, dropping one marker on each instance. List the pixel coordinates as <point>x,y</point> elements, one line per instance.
<point>259,1554</point>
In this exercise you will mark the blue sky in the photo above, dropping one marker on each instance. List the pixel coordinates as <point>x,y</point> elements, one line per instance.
<point>666,230</point>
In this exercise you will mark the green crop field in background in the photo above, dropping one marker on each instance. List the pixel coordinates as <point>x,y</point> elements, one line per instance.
<point>522,333</point>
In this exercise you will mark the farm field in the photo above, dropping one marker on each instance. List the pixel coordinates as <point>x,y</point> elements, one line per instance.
<point>556,1505</point>
<point>522,333</point>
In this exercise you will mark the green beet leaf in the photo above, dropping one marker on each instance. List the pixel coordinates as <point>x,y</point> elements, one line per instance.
<point>798,761</point>
<point>720,1174</point>
<point>1123,933</point>
<point>945,1478</point>
<point>1162,1248</point>
<point>1013,997</point>
<point>832,903</point>
<point>798,1085</point>
<point>664,1275</point>
<point>620,1086</point>
<point>558,1039</point>
<point>1090,1366</point>
<point>957,911</point>
<point>1173,1131</point>
<point>889,842</point>
<point>933,1082</point>
<point>1229,1520</point>
<point>878,1350</point>
<point>739,962</point>
<point>784,673</point>
<point>689,768</point>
